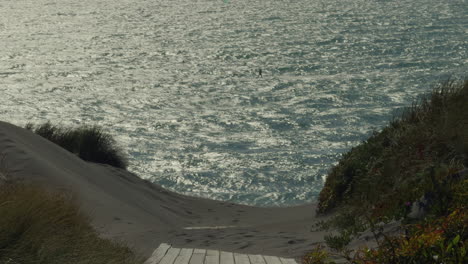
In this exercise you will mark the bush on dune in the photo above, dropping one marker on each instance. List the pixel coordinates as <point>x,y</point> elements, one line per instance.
<point>90,143</point>
<point>418,161</point>
<point>37,226</point>
<point>429,140</point>
<point>436,240</point>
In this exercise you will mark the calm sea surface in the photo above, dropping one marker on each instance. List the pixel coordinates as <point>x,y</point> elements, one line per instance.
<point>176,81</point>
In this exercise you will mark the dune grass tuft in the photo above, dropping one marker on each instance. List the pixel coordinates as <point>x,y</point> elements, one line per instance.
<point>90,143</point>
<point>37,226</point>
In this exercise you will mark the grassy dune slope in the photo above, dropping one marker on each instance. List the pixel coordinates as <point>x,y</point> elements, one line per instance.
<point>413,171</point>
<point>37,226</point>
<point>405,160</point>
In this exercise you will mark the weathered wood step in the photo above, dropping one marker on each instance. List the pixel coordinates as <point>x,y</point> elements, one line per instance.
<point>166,254</point>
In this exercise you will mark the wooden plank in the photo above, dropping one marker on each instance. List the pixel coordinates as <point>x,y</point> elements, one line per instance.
<point>272,260</point>
<point>241,259</point>
<point>170,256</point>
<point>199,250</point>
<point>197,258</point>
<point>165,254</point>
<point>256,259</point>
<point>184,256</point>
<point>186,252</point>
<point>212,257</point>
<point>226,258</point>
<point>158,254</point>
<point>288,261</point>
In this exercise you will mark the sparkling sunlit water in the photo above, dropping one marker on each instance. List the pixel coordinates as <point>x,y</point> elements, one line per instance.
<point>176,81</point>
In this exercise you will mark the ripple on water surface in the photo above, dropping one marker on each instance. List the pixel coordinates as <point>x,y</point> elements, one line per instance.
<point>176,81</point>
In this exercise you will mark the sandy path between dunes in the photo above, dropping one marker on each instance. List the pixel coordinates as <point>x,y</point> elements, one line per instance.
<point>143,215</point>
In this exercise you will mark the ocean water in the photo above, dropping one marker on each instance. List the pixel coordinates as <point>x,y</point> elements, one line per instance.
<point>176,81</point>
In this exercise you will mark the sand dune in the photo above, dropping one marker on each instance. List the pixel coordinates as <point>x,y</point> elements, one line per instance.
<point>127,208</point>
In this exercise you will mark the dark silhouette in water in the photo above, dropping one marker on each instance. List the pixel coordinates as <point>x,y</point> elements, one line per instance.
<point>260,72</point>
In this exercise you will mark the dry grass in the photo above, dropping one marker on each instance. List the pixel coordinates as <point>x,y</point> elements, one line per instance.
<point>37,226</point>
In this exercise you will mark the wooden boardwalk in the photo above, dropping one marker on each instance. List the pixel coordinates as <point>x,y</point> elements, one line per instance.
<point>165,254</point>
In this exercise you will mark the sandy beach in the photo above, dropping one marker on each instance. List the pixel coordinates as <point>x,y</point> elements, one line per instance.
<point>122,206</point>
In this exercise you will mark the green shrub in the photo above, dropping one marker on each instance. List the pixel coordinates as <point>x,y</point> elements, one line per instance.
<point>317,256</point>
<point>419,159</point>
<point>90,143</point>
<point>338,242</point>
<point>37,227</point>
<point>394,166</point>
<point>439,240</point>
<point>443,240</point>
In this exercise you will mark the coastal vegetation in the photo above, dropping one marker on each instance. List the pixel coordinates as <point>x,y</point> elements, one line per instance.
<point>39,226</point>
<point>90,143</point>
<point>413,173</point>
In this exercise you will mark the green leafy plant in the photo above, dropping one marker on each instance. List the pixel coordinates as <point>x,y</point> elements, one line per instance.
<point>443,240</point>
<point>338,242</point>
<point>317,256</point>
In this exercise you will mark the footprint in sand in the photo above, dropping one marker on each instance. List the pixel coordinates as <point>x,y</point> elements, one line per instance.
<point>297,241</point>
<point>245,246</point>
